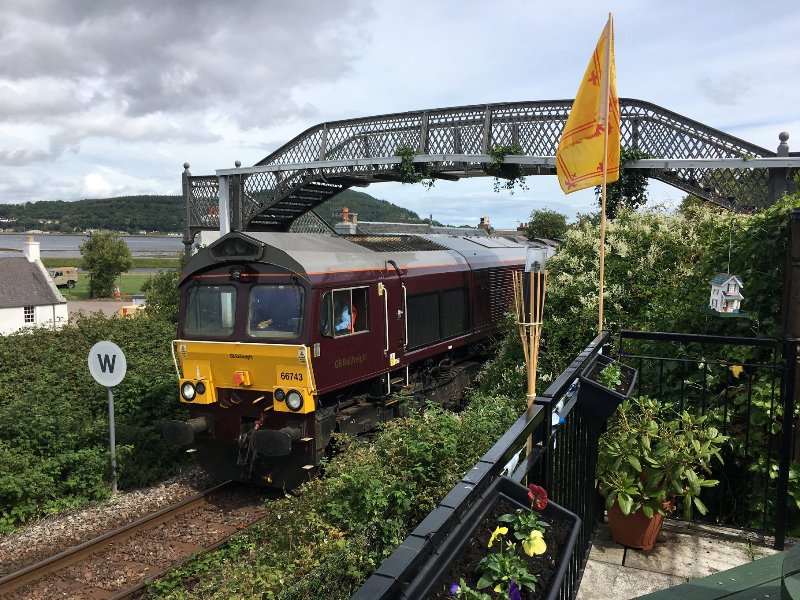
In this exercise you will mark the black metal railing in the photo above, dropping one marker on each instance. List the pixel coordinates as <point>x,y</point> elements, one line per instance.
<point>564,453</point>
<point>745,387</point>
<point>563,459</point>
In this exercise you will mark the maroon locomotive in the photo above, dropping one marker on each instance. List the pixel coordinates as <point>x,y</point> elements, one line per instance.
<point>286,338</point>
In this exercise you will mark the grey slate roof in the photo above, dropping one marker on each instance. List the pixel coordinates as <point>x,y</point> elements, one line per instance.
<point>723,277</point>
<point>23,283</point>
<point>377,228</point>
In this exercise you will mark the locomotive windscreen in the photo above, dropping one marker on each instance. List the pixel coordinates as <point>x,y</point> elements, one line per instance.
<point>211,310</point>
<point>275,311</point>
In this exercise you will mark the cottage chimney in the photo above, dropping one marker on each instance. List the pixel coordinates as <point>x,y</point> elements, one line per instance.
<point>345,213</point>
<point>31,249</point>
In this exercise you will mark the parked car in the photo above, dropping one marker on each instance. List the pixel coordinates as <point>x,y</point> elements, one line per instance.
<point>64,276</point>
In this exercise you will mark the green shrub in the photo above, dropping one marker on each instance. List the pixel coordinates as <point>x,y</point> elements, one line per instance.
<point>54,416</point>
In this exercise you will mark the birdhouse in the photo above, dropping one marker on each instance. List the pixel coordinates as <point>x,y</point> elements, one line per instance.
<point>726,293</point>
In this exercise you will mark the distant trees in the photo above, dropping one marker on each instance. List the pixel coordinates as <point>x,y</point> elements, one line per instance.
<point>546,223</point>
<point>126,213</point>
<point>105,256</point>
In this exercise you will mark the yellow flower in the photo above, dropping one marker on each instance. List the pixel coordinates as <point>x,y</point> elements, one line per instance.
<point>497,532</point>
<point>498,588</point>
<point>534,544</point>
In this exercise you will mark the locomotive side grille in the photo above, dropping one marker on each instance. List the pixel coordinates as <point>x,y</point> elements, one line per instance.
<point>423,319</point>
<point>235,248</point>
<point>454,312</point>
<point>501,291</point>
<point>394,243</point>
<point>437,316</point>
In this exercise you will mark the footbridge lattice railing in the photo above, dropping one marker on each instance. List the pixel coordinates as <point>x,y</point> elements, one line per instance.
<point>331,157</point>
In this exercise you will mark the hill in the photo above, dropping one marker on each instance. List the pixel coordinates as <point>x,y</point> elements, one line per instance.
<point>165,213</point>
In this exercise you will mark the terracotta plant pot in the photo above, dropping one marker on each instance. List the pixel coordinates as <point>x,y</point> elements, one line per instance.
<point>635,530</point>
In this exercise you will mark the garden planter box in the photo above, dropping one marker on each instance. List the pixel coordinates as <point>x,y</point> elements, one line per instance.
<point>598,402</point>
<point>435,575</point>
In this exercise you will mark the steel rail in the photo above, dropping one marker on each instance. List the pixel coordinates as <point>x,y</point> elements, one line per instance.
<point>12,582</point>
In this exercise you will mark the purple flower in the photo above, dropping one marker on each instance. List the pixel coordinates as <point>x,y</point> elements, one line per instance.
<point>513,591</point>
<point>454,589</point>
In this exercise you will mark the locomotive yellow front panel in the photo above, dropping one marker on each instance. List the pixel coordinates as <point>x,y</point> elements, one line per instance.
<point>283,370</point>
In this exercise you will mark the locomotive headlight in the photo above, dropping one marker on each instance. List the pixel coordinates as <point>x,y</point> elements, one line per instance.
<point>200,387</point>
<point>294,400</point>
<point>187,391</point>
<point>279,395</point>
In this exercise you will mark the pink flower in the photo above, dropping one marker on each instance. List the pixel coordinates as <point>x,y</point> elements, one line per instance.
<point>538,497</point>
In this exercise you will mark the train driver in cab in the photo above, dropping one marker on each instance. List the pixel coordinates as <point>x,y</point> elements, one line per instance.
<point>343,318</point>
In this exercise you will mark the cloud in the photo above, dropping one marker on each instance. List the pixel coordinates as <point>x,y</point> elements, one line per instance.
<point>152,57</point>
<point>97,186</point>
<point>728,89</point>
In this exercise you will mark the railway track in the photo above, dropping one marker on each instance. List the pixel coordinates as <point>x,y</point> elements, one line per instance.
<point>117,564</point>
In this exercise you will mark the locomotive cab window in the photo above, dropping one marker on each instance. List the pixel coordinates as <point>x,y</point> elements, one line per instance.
<point>211,310</point>
<point>275,311</point>
<point>344,312</point>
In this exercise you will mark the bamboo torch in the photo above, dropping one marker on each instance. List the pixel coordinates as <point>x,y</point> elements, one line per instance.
<point>529,293</point>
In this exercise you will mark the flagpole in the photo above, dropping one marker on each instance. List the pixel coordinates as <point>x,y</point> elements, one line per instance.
<point>606,97</point>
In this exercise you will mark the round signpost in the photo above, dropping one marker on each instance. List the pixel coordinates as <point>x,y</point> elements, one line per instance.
<point>108,366</point>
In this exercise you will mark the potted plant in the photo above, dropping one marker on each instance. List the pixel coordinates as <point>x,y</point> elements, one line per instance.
<point>605,383</point>
<point>649,460</point>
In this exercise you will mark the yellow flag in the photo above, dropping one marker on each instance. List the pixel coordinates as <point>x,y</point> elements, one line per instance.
<point>579,159</point>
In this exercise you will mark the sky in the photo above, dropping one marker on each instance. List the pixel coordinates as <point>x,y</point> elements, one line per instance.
<point>101,99</point>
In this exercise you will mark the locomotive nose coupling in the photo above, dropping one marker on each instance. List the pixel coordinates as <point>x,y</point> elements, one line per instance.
<point>181,433</point>
<point>271,442</point>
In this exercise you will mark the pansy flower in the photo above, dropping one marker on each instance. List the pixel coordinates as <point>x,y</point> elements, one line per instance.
<point>513,591</point>
<point>534,543</point>
<point>497,533</point>
<point>538,497</point>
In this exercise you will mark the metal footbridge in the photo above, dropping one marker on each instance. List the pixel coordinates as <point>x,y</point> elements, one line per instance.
<point>280,192</point>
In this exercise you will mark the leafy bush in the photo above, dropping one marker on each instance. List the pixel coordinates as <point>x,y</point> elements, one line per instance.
<point>163,295</point>
<point>53,415</point>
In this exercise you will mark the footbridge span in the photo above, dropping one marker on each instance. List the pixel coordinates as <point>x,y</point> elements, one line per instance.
<point>281,191</point>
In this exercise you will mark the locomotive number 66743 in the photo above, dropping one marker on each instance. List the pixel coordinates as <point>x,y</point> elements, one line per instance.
<point>286,338</point>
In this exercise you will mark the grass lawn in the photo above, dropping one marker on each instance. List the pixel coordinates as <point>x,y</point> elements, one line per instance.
<point>138,263</point>
<point>129,284</point>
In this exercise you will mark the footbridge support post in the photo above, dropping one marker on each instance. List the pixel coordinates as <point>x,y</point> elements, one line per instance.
<point>779,176</point>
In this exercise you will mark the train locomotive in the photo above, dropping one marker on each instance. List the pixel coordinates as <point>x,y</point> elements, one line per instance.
<point>286,338</point>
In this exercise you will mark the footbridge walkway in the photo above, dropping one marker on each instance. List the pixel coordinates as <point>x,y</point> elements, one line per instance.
<point>281,191</point>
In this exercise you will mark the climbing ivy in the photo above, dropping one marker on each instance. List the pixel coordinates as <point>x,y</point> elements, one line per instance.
<point>411,172</point>
<point>506,176</point>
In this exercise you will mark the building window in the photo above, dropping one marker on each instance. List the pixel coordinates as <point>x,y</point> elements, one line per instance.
<point>731,288</point>
<point>29,314</point>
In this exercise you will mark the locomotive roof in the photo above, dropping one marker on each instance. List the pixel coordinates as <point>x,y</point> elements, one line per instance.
<point>318,253</point>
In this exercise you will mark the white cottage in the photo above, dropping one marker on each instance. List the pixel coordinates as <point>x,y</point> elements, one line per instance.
<point>28,297</point>
<point>726,295</point>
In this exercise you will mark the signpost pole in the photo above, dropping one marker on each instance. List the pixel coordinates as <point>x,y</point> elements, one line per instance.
<point>108,366</point>
<point>112,440</point>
